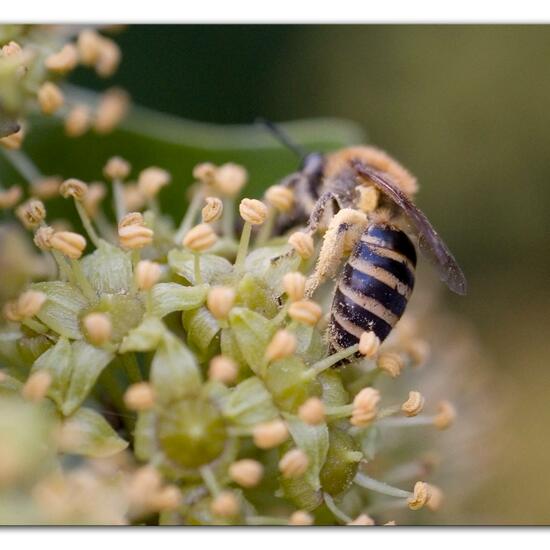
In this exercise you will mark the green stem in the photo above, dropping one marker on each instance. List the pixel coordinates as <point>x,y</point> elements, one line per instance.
<point>341,411</point>
<point>336,512</point>
<point>104,227</point>
<point>243,247</point>
<point>131,367</point>
<point>267,227</point>
<point>197,268</point>
<point>64,267</point>
<point>210,480</point>
<point>87,223</point>
<point>408,421</point>
<point>331,360</point>
<point>23,164</point>
<point>118,196</point>
<point>228,221</point>
<point>189,218</point>
<point>380,487</point>
<point>82,281</point>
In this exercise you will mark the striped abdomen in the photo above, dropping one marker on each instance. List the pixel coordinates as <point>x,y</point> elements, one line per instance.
<point>374,288</point>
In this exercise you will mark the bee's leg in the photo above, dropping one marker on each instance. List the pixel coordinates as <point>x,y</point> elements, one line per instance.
<point>320,208</point>
<point>340,238</point>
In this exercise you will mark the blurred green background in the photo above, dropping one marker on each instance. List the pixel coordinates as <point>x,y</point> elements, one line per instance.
<point>466,109</point>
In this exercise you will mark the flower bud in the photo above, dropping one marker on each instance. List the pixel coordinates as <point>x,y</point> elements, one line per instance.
<point>302,243</point>
<point>435,498</point>
<point>77,121</point>
<point>11,311</point>
<point>95,194</point>
<point>391,363</point>
<point>223,369</point>
<point>139,397</point>
<point>152,180</point>
<point>108,57</point>
<point>213,210</point>
<point>253,211</point>
<point>414,404</point>
<point>365,407</point>
<point>294,463</point>
<point>46,188</point>
<point>112,108</point>
<point>98,328</point>
<point>280,197</point>
<point>50,98</point>
<point>246,472</point>
<point>200,238</point>
<point>369,344</point>
<point>64,60</point>
<point>147,274</point>
<point>220,300</point>
<point>37,385</point>
<point>10,197</point>
<point>132,218</point>
<point>133,198</point>
<point>73,188</point>
<point>283,344</point>
<point>270,434</point>
<point>305,311</point>
<point>230,178</point>
<point>300,517</point>
<point>294,284</point>
<point>132,233</point>
<point>88,44</point>
<point>362,519</point>
<point>445,416</point>
<point>116,168</point>
<point>312,411</point>
<point>225,505</point>
<point>43,236</point>
<point>30,303</point>
<point>31,213</point>
<point>420,496</point>
<point>10,49</point>
<point>168,498</point>
<point>368,199</point>
<point>68,243</point>
<point>205,172</point>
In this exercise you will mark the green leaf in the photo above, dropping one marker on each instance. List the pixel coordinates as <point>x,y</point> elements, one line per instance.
<point>58,362</point>
<point>314,441</point>
<point>169,297</point>
<point>174,370</point>
<point>214,269</point>
<point>60,311</point>
<point>249,403</point>
<point>271,264</point>
<point>252,332</point>
<point>145,337</point>
<point>109,269</point>
<point>89,434</point>
<point>87,364</point>
<point>201,327</point>
<point>145,436</point>
<point>253,294</point>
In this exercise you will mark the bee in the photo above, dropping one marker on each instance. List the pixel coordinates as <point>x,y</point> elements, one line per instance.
<point>378,276</point>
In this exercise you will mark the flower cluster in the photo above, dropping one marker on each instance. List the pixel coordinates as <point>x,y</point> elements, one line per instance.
<point>195,346</point>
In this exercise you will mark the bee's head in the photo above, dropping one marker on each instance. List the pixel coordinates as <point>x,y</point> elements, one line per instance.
<point>313,164</point>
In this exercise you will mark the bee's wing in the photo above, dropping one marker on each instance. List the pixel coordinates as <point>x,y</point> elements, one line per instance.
<point>429,241</point>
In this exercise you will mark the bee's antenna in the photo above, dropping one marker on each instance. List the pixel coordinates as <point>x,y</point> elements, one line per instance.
<point>281,136</point>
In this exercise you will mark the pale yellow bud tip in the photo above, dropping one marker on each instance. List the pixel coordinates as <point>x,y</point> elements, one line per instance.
<point>365,407</point>
<point>213,210</point>
<point>419,497</point>
<point>200,238</point>
<point>363,519</point>
<point>68,243</point>
<point>302,243</point>
<point>391,363</point>
<point>98,328</point>
<point>312,411</point>
<point>300,517</point>
<point>230,178</point>
<point>223,369</point>
<point>50,98</point>
<point>283,344</point>
<point>280,197</point>
<point>414,404</point>
<point>246,472</point>
<point>253,211</point>
<point>30,303</point>
<point>294,284</point>
<point>220,300</point>
<point>446,415</point>
<point>270,434</point>
<point>147,274</point>
<point>306,312</point>
<point>294,463</point>
<point>225,505</point>
<point>116,168</point>
<point>73,188</point>
<point>369,344</point>
<point>139,397</point>
<point>152,180</point>
<point>37,385</point>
